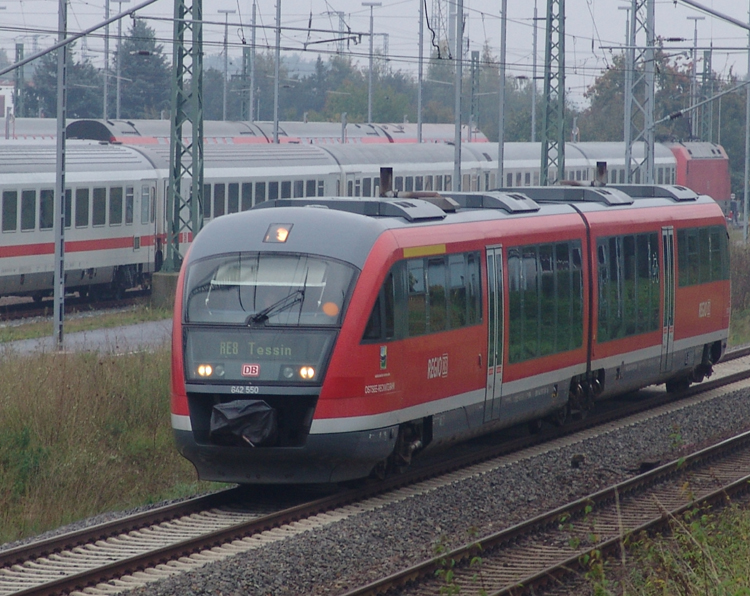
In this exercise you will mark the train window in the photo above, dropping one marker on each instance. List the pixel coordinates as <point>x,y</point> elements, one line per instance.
<point>309,188</point>
<point>458,314</point>
<point>350,188</point>
<point>519,177</point>
<point>366,187</point>
<point>536,178</point>
<point>527,179</point>
<point>409,184</point>
<point>437,315</point>
<point>68,207</point>
<point>628,274</point>
<point>99,211</point>
<point>418,182</point>
<point>145,204</point>
<point>273,191</point>
<point>10,210</point>
<point>82,207</point>
<point>260,192</point>
<point>28,210</point>
<point>46,209</point>
<point>286,189</point>
<point>299,188</point>
<point>417,298</point>
<point>428,182</point>
<point>233,198</point>
<point>702,255</point>
<point>207,201</point>
<point>381,324</point>
<point>509,180</point>
<point>438,183</point>
<point>660,175</point>
<point>448,182</point>
<point>398,183</point>
<point>545,300</point>
<point>358,187</point>
<point>466,183</point>
<point>219,200</point>
<point>129,207</point>
<point>321,188</point>
<point>247,195</point>
<point>115,205</point>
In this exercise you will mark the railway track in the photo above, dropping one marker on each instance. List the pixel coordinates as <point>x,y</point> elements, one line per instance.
<point>545,551</point>
<point>182,536</point>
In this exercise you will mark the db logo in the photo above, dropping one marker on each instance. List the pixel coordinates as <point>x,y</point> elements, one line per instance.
<point>251,370</point>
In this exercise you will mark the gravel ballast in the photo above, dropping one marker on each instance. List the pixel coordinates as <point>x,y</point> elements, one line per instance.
<point>364,547</point>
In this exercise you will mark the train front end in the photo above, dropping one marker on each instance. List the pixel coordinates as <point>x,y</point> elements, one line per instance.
<point>261,300</point>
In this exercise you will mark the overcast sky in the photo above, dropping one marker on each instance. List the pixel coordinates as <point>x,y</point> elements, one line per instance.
<point>591,25</point>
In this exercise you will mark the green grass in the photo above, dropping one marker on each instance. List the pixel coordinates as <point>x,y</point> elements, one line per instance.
<point>704,554</point>
<point>79,322</point>
<point>82,434</point>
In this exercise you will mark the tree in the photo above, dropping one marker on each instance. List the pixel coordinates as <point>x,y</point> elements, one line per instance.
<point>145,88</point>
<point>84,88</point>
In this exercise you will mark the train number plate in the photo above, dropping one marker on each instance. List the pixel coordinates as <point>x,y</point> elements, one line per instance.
<point>244,389</point>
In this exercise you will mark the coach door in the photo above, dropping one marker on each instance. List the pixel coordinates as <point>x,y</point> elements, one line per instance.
<point>495,326</point>
<point>667,341</point>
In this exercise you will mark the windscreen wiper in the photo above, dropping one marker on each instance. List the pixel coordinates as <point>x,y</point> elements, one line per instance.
<point>279,306</point>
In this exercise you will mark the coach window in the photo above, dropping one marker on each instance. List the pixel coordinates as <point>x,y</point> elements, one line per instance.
<point>398,183</point>
<point>417,299</point>
<point>309,188</point>
<point>145,204</point>
<point>260,192</point>
<point>366,187</point>
<point>273,191</point>
<point>702,255</point>
<point>10,210</point>
<point>99,211</point>
<point>115,205</point>
<point>466,183</point>
<point>82,207</point>
<point>247,195</point>
<point>286,189</point>
<point>233,199</point>
<point>68,207</point>
<point>358,187</point>
<point>46,209</point>
<point>509,180</point>
<point>438,183</point>
<point>459,304</point>
<point>448,182</point>
<point>207,201</point>
<point>219,200</point>
<point>437,314</point>
<point>628,274</point>
<point>28,210</point>
<point>299,189</point>
<point>428,182</point>
<point>381,324</point>
<point>129,204</point>
<point>409,184</point>
<point>418,182</point>
<point>321,188</point>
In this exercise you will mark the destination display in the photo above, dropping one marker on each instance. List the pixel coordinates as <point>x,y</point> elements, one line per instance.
<point>256,355</point>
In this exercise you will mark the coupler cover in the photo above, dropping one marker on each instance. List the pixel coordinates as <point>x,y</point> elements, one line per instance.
<point>252,421</point>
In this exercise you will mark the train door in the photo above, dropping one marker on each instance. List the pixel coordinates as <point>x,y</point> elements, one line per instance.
<point>667,342</point>
<point>495,334</point>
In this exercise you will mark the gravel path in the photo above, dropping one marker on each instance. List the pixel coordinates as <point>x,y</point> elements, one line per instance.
<point>350,552</point>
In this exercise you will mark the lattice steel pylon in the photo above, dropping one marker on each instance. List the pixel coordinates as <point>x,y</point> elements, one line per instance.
<point>185,200</point>
<point>18,110</point>
<point>707,91</point>
<point>553,118</point>
<point>639,93</point>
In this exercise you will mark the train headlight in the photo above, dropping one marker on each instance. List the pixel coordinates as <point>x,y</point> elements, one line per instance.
<point>219,370</point>
<point>278,233</point>
<point>205,370</point>
<point>307,373</point>
<point>288,372</point>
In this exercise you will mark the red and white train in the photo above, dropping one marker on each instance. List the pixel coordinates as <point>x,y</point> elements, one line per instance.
<point>116,205</point>
<point>324,339</point>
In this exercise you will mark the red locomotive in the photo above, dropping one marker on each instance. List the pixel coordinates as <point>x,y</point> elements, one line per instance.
<point>324,339</point>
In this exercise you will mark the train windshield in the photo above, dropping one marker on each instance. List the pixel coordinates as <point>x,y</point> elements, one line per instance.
<point>257,289</point>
